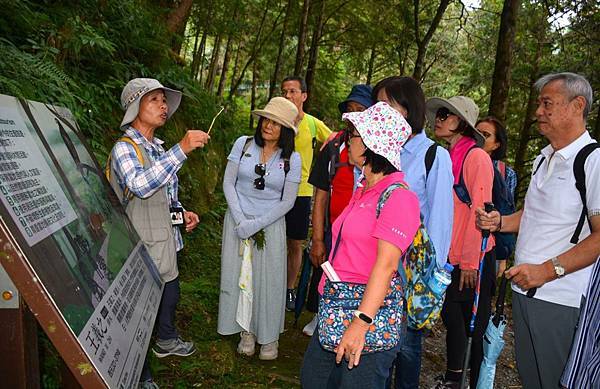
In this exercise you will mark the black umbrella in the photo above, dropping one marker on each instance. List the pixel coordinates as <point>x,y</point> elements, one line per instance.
<point>302,290</point>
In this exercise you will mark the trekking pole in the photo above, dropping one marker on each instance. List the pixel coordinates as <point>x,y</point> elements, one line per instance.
<point>485,234</point>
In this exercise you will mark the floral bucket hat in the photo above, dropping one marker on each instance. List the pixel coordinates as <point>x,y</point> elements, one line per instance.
<point>382,129</point>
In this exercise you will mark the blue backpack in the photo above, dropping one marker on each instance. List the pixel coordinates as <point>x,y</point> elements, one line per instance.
<point>417,265</point>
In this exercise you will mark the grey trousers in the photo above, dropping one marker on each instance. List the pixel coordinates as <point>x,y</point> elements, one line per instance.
<point>543,335</point>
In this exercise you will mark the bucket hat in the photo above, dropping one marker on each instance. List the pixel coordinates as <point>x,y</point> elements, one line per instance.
<point>281,110</point>
<point>360,93</point>
<point>136,89</point>
<point>382,129</point>
<point>461,106</point>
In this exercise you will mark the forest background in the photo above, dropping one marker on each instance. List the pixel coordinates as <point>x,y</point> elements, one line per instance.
<point>234,53</point>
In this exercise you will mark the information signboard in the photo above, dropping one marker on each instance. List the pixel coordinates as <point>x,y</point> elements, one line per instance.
<point>70,249</point>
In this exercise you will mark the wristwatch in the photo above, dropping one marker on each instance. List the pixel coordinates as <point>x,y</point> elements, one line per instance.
<point>363,316</point>
<point>558,268</point>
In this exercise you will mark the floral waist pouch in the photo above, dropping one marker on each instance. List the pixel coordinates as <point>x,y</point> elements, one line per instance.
<point>336,311</point>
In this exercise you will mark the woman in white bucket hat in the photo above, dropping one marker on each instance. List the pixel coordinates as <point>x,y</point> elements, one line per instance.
<point>144,176</point>
<point>453,120</point>
<point>260,184</point>
<point>366,251</point>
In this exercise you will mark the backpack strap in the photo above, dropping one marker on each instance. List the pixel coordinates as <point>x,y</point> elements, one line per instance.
<point>244,149</point>
<point>502,169</point>
<point>579,173</point>
<point>312,125</point>
<point>461,189</point>
<point>286,170</point>
<point>430,158</point>
<point>107,170</point>
<point>539,165</point>
<point>385,195</point>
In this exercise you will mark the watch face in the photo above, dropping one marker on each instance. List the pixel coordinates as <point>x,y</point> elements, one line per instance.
<point>559,270</point>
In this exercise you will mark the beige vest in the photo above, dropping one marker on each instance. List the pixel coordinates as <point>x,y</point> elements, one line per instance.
<point>152,221</point>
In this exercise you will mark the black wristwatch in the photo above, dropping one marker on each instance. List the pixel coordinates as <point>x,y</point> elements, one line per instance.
<point>363,316</point>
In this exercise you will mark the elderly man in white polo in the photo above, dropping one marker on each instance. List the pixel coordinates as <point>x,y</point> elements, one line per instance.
<point>556,245</point>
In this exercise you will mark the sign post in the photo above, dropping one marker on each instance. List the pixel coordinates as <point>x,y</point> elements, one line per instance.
<point>68,246</point>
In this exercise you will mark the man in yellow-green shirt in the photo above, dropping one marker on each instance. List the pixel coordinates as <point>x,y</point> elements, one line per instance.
<point>310,131</point>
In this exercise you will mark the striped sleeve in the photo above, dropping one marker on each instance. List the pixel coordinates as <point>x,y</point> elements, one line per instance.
<point>583,366</point>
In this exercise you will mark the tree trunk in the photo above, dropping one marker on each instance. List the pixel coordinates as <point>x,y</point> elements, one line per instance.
<point>314,53</point>
<point>528,121</point>
<point>214,60</point>
<point>255,48</point>
<point>422,44</point>
<point>195,52</point>
<point>236,65</point>
<point>504,53</point>
<point>275,78</point>
<point>179,16</point>
<point>176,22</point>
<point>302,38</point>
<point>253,94</point>
<point>225,66</point>
<point>371,65</point>
<point>200,63</point>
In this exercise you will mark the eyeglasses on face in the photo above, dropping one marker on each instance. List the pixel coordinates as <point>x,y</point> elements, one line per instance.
<point>260,169</point>
<point>443,114</point>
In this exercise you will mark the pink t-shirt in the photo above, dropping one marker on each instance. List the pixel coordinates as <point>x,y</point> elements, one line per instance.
<point>397,224</point>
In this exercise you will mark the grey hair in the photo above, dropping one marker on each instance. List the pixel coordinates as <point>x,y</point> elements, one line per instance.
<point>574,85</point>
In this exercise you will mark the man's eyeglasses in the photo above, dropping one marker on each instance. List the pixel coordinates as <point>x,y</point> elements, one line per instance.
<point>292,91</point>
<point>443,114</point>
<point>261,170</point>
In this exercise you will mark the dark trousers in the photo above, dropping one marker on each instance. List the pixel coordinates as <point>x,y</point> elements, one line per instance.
<point>408,362</point>
<point>165,319</point>
<point>319,370</point>
<point>312,303</point>
<point>456,315</point>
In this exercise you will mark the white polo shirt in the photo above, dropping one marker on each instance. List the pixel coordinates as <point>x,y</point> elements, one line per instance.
<point>550,215</point>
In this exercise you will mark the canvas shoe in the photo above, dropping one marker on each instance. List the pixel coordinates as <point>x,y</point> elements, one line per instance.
<point>247,343</point>
<point>149,384</point>
<point>176,346</point>
<point>310,328</point>
<point>268,352</point>
<point>443,383</point>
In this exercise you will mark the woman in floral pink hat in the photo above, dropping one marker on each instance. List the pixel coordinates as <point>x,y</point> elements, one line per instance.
<point>365,257</point>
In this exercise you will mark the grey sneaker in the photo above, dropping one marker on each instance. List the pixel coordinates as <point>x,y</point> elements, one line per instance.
<point>147,385</point>
<point>268,352</point>
<point>247,344</point>
<point>176,346</point>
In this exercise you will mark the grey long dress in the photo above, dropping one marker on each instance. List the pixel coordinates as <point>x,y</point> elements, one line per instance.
<point>256,209</point>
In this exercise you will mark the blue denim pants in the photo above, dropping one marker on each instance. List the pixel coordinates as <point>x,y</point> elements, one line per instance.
<point>319,370</point>
<point>408,362</point>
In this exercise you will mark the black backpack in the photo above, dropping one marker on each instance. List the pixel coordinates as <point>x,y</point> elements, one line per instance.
<point>579,173</point>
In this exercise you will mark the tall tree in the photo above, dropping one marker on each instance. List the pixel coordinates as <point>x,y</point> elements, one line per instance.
<point>423,42</point>
<point>225,68</point>
<point>504,55</point>
<point>314,50</point>
<point>279,60</point>
<point>302,32</point>
<point>214,61</point>
<point>176,22</point>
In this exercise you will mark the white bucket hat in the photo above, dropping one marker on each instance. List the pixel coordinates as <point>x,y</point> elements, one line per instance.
<point>382,129</point>
<point>138,87</point>
<point>461,106</point>
<point>280,110</point>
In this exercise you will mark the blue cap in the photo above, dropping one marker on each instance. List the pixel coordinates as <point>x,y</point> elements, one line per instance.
<point>361,94</point>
